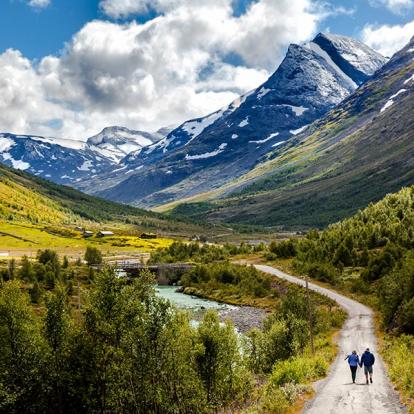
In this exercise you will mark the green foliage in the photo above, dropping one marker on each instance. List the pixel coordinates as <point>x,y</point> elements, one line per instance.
<point>128,351</point>
<point>21,352</point>
<point>378,241</point>
<point>35,292</point>
<point>284,249</point>
<point>298,370</point>
<point>50,259</point>
<point>26,271</point>
<point>199,253</point>
<point>219,361</point>
<point>398,354</point>
<point>93,256</point>
<point>229,279</point>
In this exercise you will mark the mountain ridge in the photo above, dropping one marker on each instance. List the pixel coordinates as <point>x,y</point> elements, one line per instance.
<point>204,153</point>
<point>357,153</point>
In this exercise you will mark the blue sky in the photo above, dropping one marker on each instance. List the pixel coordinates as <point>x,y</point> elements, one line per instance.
<point>69,68</point>
<point>37,32</point>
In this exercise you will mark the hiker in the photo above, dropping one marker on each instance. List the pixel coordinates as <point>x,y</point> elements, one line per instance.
<point>353,361</point>
<point>367,360</point>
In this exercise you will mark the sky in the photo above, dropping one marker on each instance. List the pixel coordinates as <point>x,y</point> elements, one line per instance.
<point>69,68</point>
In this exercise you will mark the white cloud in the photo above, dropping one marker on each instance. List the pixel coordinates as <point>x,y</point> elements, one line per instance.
<point>396,6</point>
<point>39,3</point>
<point>174,67</point>
<point>388,39</point>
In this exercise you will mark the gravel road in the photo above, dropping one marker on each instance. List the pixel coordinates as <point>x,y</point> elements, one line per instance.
<point>336,394</point>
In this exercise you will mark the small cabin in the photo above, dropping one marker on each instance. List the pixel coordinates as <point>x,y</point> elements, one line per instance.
<point>105,233</point>
<point>78,228</point>
<point>87,233</point>
<point>148,236</point>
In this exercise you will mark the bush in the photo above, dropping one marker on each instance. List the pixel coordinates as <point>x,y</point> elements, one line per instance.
<point>93,256</point>
<point>298,370</point>
<point>325,272</point>
<point>284,249</point>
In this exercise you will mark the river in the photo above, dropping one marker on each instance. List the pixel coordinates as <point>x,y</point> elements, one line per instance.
<point>243,317</point>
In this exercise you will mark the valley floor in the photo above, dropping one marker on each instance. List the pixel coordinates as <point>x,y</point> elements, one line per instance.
<point>336,394</point>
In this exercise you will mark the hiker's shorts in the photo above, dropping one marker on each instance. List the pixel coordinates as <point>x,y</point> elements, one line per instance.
<point>368,370</point>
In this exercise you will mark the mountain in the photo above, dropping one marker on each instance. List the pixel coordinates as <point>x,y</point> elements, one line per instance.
<point>69,161</point>
<point>203,154</point>
<point>360,151</point>
<point>117,142</point>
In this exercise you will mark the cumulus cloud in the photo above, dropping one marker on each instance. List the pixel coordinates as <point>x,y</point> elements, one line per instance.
<point>388,39</point>
<point>39,3</point>
<point>396,6</point>
<point>190,60</point>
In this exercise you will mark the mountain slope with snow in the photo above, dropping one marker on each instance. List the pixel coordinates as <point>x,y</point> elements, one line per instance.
<point>205,153</point>
<point>360,151</point>
<point>72,162</point>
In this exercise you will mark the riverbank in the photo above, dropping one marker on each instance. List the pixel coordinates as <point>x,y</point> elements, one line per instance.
<point>244,318</point>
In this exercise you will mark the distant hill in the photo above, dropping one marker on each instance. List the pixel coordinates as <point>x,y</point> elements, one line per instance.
<point>27,198</point>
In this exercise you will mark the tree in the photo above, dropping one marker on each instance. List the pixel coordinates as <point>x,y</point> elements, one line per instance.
<point>35,292</point>
<point>26,271</point>
<point>21,352</point>
<point>55,330</point>
<point>219,361</point>
<point>11,266</point>
<point>93,256</point>
<point>50,259</point>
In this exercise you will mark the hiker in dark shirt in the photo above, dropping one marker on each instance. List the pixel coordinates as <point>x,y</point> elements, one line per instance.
<point>367,360</point>
<point>353,361</point>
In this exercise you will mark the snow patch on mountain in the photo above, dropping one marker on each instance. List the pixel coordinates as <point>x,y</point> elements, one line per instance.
<point>391,101</point>
<point>244,123</point>
<point>5,144</point>
<point>18,164</point>
<point>86,166</point>
<point>262,141</point>
<point>299,130</point>
<point>410,79</point>
<point>298,110</point>
<point>263,92</point>
<point>195,128</point>
<point>220,149</point>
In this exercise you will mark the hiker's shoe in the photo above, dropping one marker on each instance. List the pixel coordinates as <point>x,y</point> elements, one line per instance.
<point>367,382</point>
<point>371,380</point>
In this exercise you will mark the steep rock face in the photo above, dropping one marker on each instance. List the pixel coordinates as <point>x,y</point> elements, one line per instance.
<point>72,162</point>
<point>360,151</point>
<point>204,153</point>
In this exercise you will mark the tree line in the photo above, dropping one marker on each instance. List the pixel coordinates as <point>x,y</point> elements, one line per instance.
<point>378,244</point>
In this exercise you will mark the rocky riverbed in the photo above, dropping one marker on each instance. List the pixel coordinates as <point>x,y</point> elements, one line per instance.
<point>244,318</point>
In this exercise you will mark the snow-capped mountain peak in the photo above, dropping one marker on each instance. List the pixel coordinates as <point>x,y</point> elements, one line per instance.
<point>116,142</point>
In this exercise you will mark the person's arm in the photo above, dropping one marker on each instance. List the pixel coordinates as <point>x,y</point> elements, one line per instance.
<point>373,359</point>
<point>346,357</point>
<point>362,361</point>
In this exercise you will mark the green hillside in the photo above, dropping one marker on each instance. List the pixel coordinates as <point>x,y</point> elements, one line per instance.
<point>36,213</point>
<point>355,155</point>
<point>24,197</point>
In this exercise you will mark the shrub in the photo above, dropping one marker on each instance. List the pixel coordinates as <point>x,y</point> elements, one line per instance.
<point>93,256</point>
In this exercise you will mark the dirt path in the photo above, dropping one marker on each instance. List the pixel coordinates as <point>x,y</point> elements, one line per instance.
<point>336,394</point>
